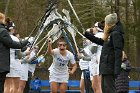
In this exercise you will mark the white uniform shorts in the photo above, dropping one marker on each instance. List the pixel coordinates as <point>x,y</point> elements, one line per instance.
<point>58,78</point>
<point>15,67</point>
<point>94,68</point>
<point>24,72</point>
<point>14,72</point>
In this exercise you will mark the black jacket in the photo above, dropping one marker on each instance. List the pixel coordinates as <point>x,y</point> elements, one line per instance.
<point>111,56</point>
<point>6,43</point>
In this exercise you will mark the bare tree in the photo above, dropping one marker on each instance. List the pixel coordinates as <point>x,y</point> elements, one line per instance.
<point>112,6</point>
<point>135,11</point>
<point>6,7</point>
<point>117,4</point>
<point>126,12</point>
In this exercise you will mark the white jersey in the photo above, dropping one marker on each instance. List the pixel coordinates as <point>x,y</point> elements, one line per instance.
<point>95,60</point>
<point>14,61</point>
<point>83,64</point>
<point>99,49</point>
<point>86,52</point>
<point>59,65</point>
<point>24,72</point>
<point>32,66</point>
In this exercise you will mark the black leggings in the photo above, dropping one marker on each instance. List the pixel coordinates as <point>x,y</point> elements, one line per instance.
<point>88,84</point>
<point>108,84</point>
<point>2,80</point>
<point>27,86</point>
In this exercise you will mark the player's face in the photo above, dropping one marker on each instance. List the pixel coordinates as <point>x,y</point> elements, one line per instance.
<point>95,30</point>
<point>62,46</point>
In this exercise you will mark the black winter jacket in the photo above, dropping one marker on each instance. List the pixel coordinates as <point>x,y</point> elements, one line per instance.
<point>6,43</point>
<point>111,56</point>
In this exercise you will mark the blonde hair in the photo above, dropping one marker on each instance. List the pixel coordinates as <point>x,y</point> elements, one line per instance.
<point>107,28</point>
<point>2,18</point>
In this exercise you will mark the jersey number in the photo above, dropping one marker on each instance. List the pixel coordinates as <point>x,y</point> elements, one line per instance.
<point>61,64</point>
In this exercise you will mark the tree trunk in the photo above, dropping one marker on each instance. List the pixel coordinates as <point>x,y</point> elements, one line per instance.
<point>117,4</point>
<point>21,17</point>
<point>93,10</point>
<point>111,6</point>
<point>138,51</point>
<point>126,29</point>
<point>126,12</point>
<point>6,8</point>
<point>135,11</point>
<point>138,32</point>
<point>72,2</point>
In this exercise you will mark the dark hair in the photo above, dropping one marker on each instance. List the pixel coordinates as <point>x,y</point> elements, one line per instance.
<point>101,25</point>
<point>9,24</point>
<point>7,20</point>
<point>62,39</point>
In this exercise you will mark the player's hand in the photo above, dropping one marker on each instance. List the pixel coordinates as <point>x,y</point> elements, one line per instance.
<point>70,72</point>
<point>28,51</point>
<point>50,40</point>
<point>79,55</point>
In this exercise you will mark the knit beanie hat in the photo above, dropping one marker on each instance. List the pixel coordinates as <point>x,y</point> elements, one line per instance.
<point>111,18</point>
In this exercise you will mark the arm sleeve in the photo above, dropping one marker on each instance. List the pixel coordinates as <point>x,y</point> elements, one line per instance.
<point>118,45</point>
<point>55,52</point>
<point>93,38</point>
<point>7,41</point>
<point>72,60</point>
<point>99,49</point>
<point>98,53</point>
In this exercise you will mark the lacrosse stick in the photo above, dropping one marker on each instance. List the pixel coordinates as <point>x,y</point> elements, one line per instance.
<point>54,33</point>
<point>48,21</point>
<point>70,29</point>
<point>66,21</point>
<point>41,29</point>
<point>76,15</point>
<point>55,37</point>
<point>54,29</point>
<point>68,41</point>
<point>51,4</point>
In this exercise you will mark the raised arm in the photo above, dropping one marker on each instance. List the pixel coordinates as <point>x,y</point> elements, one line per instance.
<point>94,39</point>
<point>7,41</point>
<point>50,50</point>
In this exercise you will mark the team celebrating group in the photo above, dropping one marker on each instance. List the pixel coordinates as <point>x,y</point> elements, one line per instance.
<point>101,56</point>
